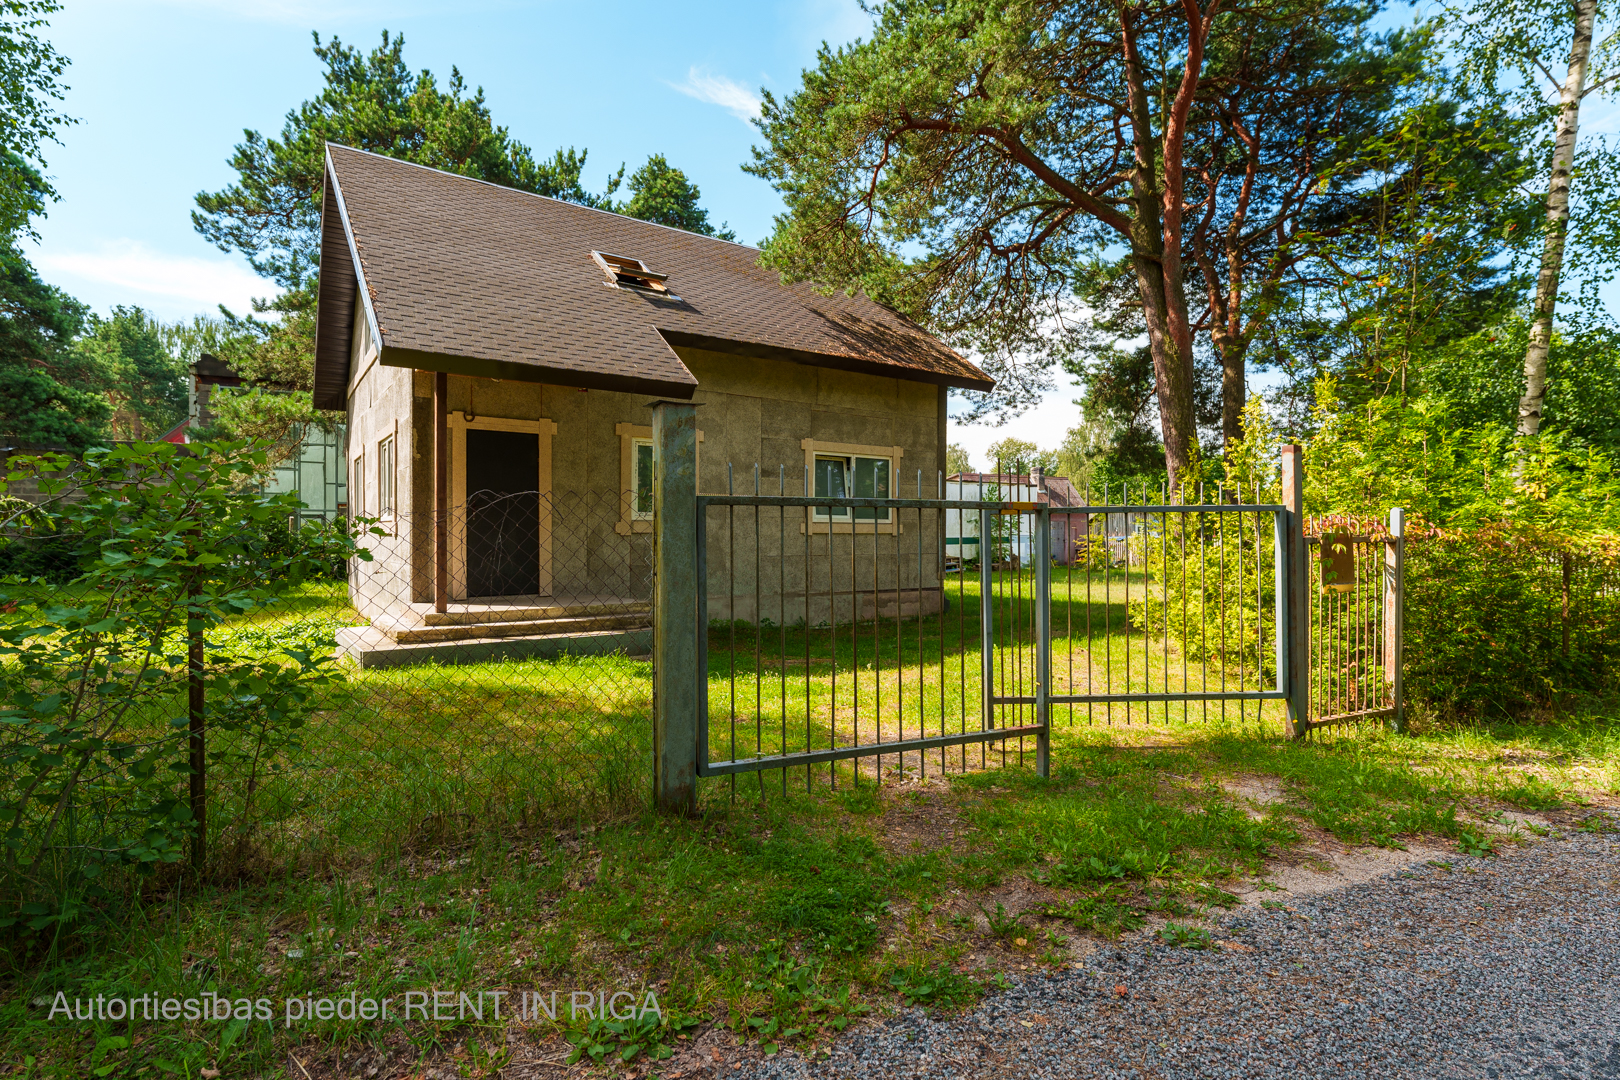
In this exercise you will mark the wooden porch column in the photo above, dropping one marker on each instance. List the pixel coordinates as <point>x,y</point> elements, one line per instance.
<point>441,491</point>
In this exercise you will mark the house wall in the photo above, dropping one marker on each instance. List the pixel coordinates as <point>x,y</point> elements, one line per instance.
<point>750,411</point>
<point>381,405</point>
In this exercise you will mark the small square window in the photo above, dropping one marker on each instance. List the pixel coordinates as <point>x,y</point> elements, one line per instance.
<point>641,463</point>
<point>842,477</point>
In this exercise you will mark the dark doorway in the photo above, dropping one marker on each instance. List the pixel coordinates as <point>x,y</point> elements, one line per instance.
<point>503,513</point>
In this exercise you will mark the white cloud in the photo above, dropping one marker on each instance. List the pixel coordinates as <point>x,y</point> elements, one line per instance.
<point>1045,424</point>
<point>734,97</point>
<point>171,286</point>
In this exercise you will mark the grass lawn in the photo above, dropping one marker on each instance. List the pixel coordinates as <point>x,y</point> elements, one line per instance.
<point>782,917</point>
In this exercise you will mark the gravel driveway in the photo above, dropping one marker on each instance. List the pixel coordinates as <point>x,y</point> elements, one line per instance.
<point>1502,967</point>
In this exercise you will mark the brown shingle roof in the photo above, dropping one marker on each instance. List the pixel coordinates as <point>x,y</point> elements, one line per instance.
<point>476,279</point>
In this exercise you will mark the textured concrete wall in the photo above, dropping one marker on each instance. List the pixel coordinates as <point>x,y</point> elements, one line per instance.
<point>751,411</point>
<point>379,407</point>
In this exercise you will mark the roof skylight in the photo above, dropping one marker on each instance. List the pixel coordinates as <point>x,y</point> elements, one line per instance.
<point>628,273</point>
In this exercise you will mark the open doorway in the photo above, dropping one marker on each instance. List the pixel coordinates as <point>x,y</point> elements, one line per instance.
<point>503,513</point>
<point>500,542</point>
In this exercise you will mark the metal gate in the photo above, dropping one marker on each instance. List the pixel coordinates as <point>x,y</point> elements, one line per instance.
<point>798,626</point>
<point>842,628</point>
<point>838,631</point>
<point>1204,597</point>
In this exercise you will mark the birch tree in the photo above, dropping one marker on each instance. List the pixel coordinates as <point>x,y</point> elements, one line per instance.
<point>1547,53</point>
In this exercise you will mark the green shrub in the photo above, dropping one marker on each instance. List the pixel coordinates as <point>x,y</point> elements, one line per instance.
<point>1492,630</point>
<point>95,740</point>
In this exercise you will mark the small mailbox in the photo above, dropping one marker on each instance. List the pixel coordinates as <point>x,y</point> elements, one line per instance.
<point>1338,555</point>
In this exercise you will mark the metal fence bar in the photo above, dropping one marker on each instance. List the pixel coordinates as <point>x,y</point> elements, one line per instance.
<point>1043,638</point>
<point>889,714</point>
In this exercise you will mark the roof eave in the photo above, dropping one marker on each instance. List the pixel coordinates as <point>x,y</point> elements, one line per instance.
<point>342,280</point>
<point>679,338</point>
<point>481,368</point>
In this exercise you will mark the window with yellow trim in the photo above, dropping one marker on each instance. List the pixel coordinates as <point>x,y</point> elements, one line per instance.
<point>843,476</point>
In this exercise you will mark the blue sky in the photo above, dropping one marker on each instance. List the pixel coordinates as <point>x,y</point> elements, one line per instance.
<point>163,89</point>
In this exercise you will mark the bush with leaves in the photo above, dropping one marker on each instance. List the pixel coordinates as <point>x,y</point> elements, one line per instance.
<point>1512,552</point>
<point>170,544</point>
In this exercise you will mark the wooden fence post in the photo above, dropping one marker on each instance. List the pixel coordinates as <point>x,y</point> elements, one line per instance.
<point>676,673</point>
<point>1394,599</point>
<point>1296,605</point>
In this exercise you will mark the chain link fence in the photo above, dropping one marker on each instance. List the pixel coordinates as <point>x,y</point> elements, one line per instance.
<point>528,696</point>
<point>175,653</point>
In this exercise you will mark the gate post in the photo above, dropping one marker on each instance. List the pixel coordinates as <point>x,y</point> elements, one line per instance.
<point>1043,639</point>
<point>675,607</point>
<point>1296,607</point>
<point>1394,599</point>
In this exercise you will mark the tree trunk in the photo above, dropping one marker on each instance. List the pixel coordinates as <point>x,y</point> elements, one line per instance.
<point>1552,250</point>
<point>1156,234</point>
<point>1234,388</point>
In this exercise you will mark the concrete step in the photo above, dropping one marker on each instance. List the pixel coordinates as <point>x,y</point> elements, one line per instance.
<point>522,609</point>
<point>581,624</point>
<point>371,648</point>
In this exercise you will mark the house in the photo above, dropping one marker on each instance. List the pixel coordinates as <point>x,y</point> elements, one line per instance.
<point>1068,531</point>
<point>527,337</point>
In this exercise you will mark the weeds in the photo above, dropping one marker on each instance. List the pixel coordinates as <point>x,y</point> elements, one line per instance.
<point>604,1039</point>
<point>936,986</point>
<point>778,915</point>
<point>1186,937</point>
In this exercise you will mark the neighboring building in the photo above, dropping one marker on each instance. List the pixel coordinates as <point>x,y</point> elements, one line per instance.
<point>315,471</point>
<point>962,540</point>
<point>549,327</point>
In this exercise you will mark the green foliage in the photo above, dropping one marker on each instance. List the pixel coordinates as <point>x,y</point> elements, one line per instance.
<point>1017,456</point>
<point>606,1039</point>
<point>1481,377</point>
<point>825,891</point>
<point>661,193</point>
<point>44,396</point>
<point>1491,631</point>
<point>93,734</point>
<point>271,214</point>
<point>969,163</point>
<point>1186,937</point>
<point>1107,911</point>
<point>1416,260</point>
<point>371,101</point>
<point>1001,923</point>
<point>1212,589</point>
<point>1510,51</point>
<point>30,74</point>
<point>143,380</point>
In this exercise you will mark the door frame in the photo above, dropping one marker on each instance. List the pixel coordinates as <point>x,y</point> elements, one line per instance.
<point>544,431</point>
